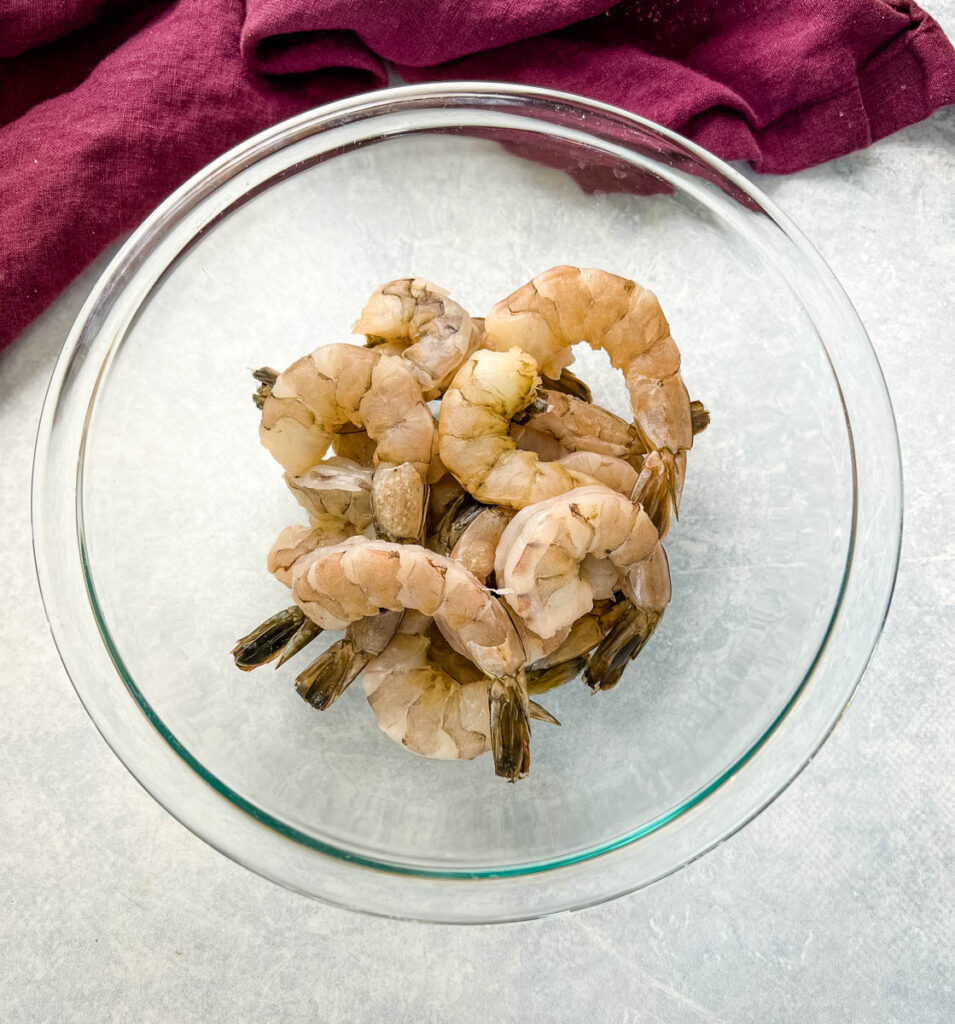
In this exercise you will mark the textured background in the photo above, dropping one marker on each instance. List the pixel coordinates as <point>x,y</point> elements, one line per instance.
<point>835,904</point>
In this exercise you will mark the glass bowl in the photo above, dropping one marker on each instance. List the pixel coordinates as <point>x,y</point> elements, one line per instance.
<point>154,503</point>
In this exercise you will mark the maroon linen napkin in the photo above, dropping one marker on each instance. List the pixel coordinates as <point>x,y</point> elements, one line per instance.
<point>108,105</point>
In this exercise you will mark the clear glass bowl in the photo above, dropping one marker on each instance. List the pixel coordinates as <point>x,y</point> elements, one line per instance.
<point>154,503</point>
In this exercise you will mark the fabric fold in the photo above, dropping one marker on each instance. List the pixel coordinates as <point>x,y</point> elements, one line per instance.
<point>107,105</point>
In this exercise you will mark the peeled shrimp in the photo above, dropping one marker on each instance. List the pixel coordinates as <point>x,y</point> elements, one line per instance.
<point>486,393</point>
<point>566,305</point>
<point>284,634</point>
<point>546,557</point>
<point>343,386</point>
<point>436,334</point>
<point>337,585</point>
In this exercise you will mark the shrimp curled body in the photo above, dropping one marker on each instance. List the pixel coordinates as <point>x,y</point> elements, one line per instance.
<point>485,395</point>
<point>432,332</point>
<point>337,585</point>
<point>548,559</point>
<point>337,388</point>
<point>566,305</point>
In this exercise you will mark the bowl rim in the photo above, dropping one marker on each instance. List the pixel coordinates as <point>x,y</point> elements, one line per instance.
<point>110,286</point>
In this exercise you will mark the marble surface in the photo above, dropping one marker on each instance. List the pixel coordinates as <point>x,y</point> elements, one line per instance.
<point>835,904</point>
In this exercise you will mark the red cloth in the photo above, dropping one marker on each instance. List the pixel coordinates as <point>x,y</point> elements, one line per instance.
<point>107,105</point>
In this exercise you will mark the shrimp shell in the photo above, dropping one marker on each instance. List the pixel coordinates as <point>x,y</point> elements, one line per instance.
<point>566,305</point>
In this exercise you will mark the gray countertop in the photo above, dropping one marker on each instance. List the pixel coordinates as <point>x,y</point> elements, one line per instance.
<point>835,904</point>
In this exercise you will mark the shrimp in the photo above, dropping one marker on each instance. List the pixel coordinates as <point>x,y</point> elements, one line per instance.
<point>473,439</point>
<point>323,681</point>
<point>291,544</point>
<point>333,671</point>
<point>356,446</point>
<point>476,546</point>
<point>585,634</point>
<point>647,587</point>
<point>574,425</point>
<point>542,565</point>
<point>342,386</point>
<point>608,470</point>
<point>582,426</point>
<point>338,585</point>
<point>287,632</point>
<point>428,698</point>
<point>566,305</point>
<point>337,488</point>
<point>297,540</point>
<point>437,335</point>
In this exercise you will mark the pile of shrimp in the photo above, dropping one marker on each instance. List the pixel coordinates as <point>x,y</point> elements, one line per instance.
<point>478,558</point>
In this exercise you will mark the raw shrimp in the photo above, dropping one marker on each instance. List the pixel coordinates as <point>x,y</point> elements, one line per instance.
<point>486,393</point>
<point>476,546</point>
<point>542,564</point>
<point>284,634</point>
<point>568,425</point>
<point>581,426</point>
<point>566,305</point>
<point>337,488</point>
<point>337,585</point>
<point>297,540</point>
<point>617,474</point>
<point>647,587</point>
<point>428,698</point>
<point>334,670</point>
<point>355,445</point>
<point>343,386</point>
<point>437,334</point>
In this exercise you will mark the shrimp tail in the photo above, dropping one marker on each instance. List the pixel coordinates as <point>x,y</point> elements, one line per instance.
<point>267,640</point>
<point>458,516</point>
<point>699,417</point>
<point>622,644</point>
<point>540,714</point>
<point>655,489</point>
<point>510,729</point>
<point>299,640</point>
<point>570,384</point>
<point>266,377</point>
<point>544,679</point>
<point>330,674</point>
